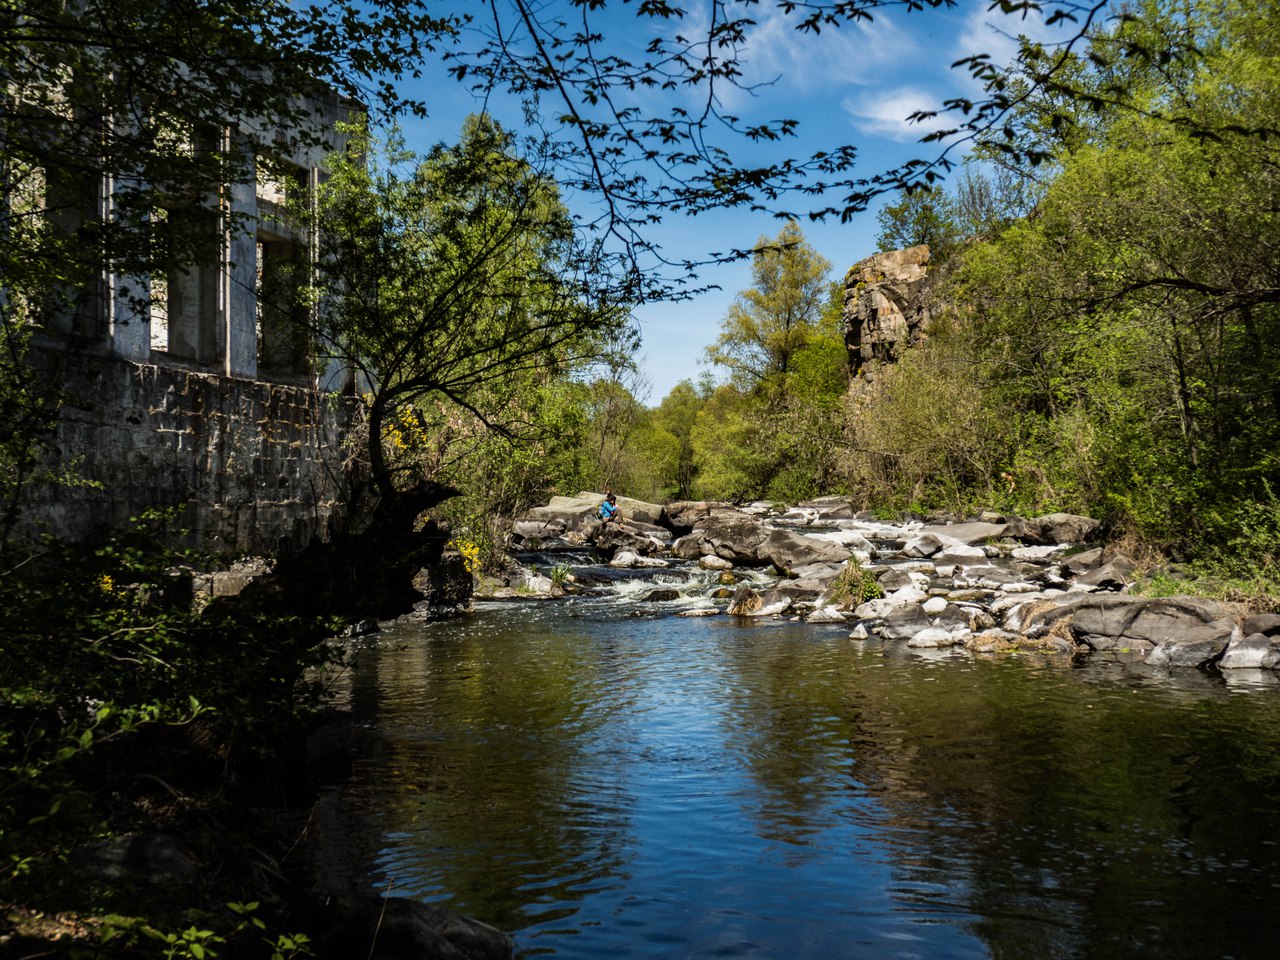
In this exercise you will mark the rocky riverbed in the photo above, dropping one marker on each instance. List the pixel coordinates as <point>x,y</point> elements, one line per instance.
<point>987,584</point>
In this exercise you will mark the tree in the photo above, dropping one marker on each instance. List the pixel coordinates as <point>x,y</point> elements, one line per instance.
<point>462,284</point>
<point>924,216</point>
<point>774,318</point>
<point>674,418</point>
<point>628,129</point>
<point>1113,351</point>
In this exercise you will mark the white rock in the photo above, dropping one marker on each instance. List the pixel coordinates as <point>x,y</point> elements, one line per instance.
<point>826,615</point>
<point>625,559</point>
<point>859,632</point>
<point>1036,553</point>
<point>876,609</point>
<point>934,605</point>
<point>712,562</point>
<point>960,553</point>
<point>937,637</point>
<point>905,595</point>
<point>772,609</point>
<point>846,538</point>
<point>917,566</point>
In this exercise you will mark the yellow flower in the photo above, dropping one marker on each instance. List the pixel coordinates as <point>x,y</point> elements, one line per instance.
<point>470,553</point>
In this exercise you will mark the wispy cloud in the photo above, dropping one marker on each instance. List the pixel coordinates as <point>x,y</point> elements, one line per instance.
<point>988,31</point>
<point>854,52</point>
<point>884,113</point>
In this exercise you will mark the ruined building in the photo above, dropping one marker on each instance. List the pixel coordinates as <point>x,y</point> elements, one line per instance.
<point>189,389</point>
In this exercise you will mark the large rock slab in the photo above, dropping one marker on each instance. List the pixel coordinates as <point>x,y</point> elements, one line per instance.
<point>684,515</point>
<point>1194,647</point>
<point>651,513</point>
<point>614,538</point>
<point>969,534</point>
<point>734,536</point>
<point>1067,528</point>
<point>787,550</point>
<point>1178,631</point>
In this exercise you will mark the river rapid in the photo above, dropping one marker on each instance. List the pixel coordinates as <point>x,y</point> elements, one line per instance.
<point>604,779</point>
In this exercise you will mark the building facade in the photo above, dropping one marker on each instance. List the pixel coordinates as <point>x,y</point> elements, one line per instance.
<point>200,386</point>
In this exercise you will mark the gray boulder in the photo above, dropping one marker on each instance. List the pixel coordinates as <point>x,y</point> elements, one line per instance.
<point>1113,575</point>
<point>1265,623</point>
<point>150,857</point>
<point>831,508</point>
<point>613,538</point>
<point>1252,652</point>
<point>969,534</point>
<point>787,550</point>
<point>732,535</point>
<point>827,615</point>
<point>397,928</point>
<point>1197,646</point>
<point>538,529</point>
<point>1190,630</point>
<point>937,637</point>
<point>904,622</point>
<point>924,545</point>
<point>1066,528</point>
<point>575,513</point>
<point>684,515</point>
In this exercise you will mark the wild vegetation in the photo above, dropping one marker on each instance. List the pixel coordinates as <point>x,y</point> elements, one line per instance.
<point>1110,261</point>
<point>1111,325</point>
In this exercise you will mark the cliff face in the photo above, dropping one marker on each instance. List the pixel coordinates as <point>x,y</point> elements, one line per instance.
<point>887,307</point>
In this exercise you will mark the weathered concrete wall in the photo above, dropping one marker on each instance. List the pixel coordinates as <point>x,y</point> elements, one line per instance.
<point>255,465</point>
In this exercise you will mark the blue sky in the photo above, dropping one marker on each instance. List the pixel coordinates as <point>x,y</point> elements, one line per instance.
<point>855,85</point>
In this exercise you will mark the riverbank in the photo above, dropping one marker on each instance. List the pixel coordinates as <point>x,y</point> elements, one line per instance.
<point>164,738</point>
<point>989,583</point>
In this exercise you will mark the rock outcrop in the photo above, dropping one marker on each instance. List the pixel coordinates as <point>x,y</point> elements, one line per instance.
<point>887,306</point>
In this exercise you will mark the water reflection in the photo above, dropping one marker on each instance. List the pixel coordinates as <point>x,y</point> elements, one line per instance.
<point>619,787</point>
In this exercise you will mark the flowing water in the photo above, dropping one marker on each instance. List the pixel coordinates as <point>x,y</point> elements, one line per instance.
<point>605,780</point>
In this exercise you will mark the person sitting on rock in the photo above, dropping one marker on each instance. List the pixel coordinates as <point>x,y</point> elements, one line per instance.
<point>608,512</point>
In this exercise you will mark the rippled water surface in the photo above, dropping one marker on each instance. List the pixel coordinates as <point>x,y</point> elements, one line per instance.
<point>607,785</point>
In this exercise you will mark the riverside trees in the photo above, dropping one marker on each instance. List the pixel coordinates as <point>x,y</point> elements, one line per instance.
<point>460,288</point>
<point>1116,344</point>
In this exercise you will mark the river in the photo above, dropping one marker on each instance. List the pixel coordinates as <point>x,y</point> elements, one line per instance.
<point>603,779</point>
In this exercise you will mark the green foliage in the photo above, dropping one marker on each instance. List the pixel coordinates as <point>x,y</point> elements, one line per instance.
<point>1114,352</point>
<point>675,418</point>
<point>772,431</point>
<point>854,586</point>
<point>924,215</point>
<point>774,318</point>
<point>467,296</point>
<point>106,675</point>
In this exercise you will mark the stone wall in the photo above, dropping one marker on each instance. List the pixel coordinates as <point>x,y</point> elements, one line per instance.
<point>887,307</point>
<point>256,466</point>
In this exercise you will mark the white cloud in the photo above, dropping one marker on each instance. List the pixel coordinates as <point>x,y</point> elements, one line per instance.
<point>989,31</point>
<point>884,113</point>
<point>851,53</point>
